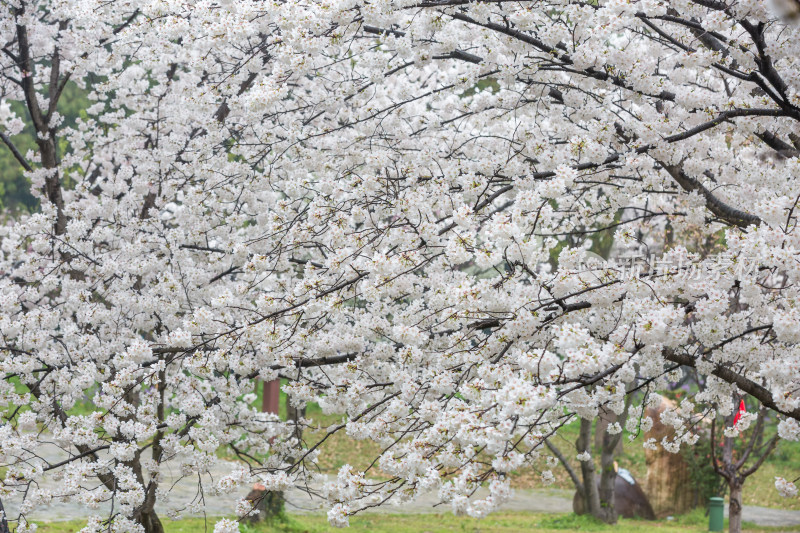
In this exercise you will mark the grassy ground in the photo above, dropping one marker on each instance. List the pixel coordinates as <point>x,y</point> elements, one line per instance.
<point>495,523</point>
<point>759,488</point>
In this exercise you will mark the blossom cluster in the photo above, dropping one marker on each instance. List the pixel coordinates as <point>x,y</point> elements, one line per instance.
<point>392,207</point>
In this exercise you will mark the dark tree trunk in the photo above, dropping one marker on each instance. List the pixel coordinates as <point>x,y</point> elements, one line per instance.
<point>294,414</point>
<point>608,477</point>
<point>591,494</point>
<point>268,506</point>
<point>605,418</point>
<point>598,495</point>
<point>3,521</point>
<point>149,520</point>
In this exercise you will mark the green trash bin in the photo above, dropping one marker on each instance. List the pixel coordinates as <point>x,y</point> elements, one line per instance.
<point>716,519</point>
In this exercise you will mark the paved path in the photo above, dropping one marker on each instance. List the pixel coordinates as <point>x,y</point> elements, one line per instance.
<point>764,516</point>
<point>184,491</point>
<point>535,501</point>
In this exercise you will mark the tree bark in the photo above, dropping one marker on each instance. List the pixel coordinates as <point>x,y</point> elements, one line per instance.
<point>605,418</point>
<point>145,514</point>
<point>598,496</point>
<point>294,414</point>
<point>3,522</point>
<point>735,508</point>
<point>149,521</point>
<point>608,477</point>
<point>46,136</point>
<point>591,494</point>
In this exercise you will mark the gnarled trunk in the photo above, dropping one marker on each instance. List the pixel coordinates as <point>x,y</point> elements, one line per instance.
<point>598,497</point>
<point>608,477</point>
<point>605,418</point>
<point>149,520</point>
<point>591,495</point>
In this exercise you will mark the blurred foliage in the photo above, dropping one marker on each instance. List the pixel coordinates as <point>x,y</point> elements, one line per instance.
<point>15,192</point>
<point>705,481</point>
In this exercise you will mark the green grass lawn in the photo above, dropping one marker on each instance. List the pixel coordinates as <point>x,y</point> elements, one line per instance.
<point>435,523</point>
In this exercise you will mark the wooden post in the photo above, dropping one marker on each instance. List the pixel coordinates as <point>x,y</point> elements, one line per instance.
<point>268,504</point>
<point>271,401</point>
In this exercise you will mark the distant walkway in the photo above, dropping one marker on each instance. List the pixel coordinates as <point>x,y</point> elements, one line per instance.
<point>764,516</point>
<point>534,501</point>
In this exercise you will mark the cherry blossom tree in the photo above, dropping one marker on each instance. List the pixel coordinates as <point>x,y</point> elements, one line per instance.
<point>140,247</point>
<point>391,206</point>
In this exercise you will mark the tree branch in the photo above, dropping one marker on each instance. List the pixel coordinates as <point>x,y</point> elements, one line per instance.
<point>572,474</point>
<point>726,374</point>
<point>731,215</point>
<point>17,155</point>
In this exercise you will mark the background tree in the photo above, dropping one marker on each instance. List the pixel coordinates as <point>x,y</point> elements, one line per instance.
<point>742,453</point>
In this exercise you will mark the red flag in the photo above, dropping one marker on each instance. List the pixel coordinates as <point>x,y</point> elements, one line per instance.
<point>739,413</point>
